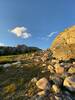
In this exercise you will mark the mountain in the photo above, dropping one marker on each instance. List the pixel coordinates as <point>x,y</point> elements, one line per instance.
<point>63,46</point>
<point>19,49</point>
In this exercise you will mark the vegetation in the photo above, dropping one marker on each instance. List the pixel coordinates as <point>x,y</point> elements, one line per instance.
<point>19,49</point>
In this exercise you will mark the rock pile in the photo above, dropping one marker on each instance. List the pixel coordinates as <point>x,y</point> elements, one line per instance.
<point>50,78</point>
<point>59,84</point>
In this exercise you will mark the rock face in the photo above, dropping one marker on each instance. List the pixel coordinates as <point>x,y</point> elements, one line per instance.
<point>69,83</point>
<point>63,46</point>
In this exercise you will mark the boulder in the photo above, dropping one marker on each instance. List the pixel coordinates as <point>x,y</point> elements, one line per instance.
<point>55,88</point>
<point>69,83</point>
<point>54,61</point>
<point>42,83</point>
<point>6,65</point>
<point>43,65</point>
<point>71,70</point>
<point>16,63</point>
<point>34,80</point>
<point>59,69</point>
<point>63,46</point>
<point>74,63</point>
<point>45,57</point>
<point>58,98</point>
<point>41,93</point>
<point>50,68</point>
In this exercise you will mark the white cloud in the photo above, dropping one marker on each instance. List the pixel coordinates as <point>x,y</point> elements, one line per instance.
<point>2,44</point>
<point>51,34</point>
<point>21,32</point>
<point>48,36</point>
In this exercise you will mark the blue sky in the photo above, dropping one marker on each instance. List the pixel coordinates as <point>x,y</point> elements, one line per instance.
<point>34,22</point>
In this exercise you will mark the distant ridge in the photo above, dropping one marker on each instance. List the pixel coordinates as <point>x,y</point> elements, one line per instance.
<point>19,49</point>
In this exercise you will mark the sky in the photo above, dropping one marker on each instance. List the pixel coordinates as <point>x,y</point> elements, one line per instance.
<point>34,22</point>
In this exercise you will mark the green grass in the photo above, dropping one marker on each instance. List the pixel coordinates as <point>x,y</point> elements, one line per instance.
<point>6,59</point>
<point>19,76</point>
<point>12,58</point>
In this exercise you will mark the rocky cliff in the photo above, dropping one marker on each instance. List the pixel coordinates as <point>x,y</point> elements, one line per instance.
<point>63,46</point>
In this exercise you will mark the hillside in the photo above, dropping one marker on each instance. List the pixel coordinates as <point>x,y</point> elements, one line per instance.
<point>19,49</point>
<point>63,46</point>
<point>36,76</point>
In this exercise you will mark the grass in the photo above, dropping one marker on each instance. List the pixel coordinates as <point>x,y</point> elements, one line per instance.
<point>6,59</point>
<point>15,81</point>
<point>12,58</point>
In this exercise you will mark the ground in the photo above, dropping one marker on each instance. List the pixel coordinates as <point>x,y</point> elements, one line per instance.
<point>19,74</point>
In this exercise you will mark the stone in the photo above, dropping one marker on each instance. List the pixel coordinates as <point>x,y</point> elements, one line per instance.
<point>43,65</point>
<point>54,61</point>
<point>74,63</point>
<point>69,83</point>
<point>55,88</point>
<point>45,57</point>
<point>58,98</point>
<point>41,93</point>
<point>22,66</point>
<point>71,70</point>
<point>6,65</point>
<point>50,68</point>
<point>16,63</point>
<point>42,83</point>
<point>43,71</point>
<point>36,60</point>
<point>34,80</point>
<point>62,64</point>
<point>59,69</point>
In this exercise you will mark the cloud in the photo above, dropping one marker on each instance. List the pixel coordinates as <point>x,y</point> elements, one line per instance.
<point>51,34</point>
<point>21,32</point>
<point>2,44</point>
<point>48,36</point>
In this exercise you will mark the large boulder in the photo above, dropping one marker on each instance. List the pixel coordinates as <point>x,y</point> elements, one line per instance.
<point>71,70</point>
<point>59,69</point>
<point>55,88</point>
<point>69,83</point>
<point>42,83</point>
<point>63,47</point>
